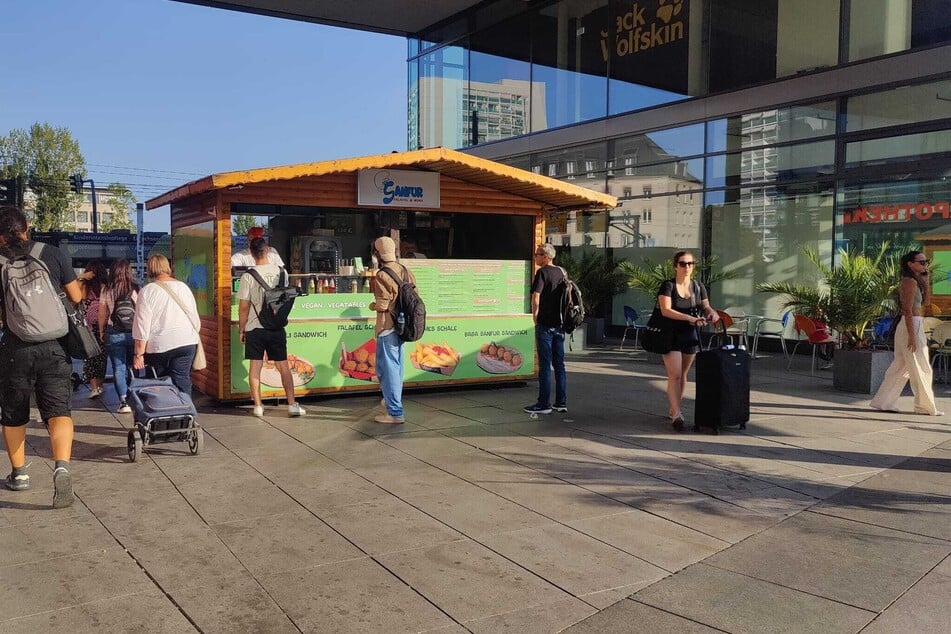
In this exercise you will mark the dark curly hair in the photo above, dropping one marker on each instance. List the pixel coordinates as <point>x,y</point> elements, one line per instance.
<point>12,227</point>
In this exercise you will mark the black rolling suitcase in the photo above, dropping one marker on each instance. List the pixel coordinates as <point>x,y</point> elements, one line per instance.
<point>723,389</point>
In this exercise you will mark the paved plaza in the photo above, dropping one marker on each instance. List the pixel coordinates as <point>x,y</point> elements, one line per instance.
<point>822,516</point>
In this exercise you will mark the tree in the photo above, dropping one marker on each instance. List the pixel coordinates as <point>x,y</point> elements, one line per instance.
<point>44,156</point>
<point>121,200</point>
<point>240,224</point>
<point>598,276</point>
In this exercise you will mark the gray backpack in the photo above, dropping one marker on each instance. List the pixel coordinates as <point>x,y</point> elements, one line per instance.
<point>33,308</point>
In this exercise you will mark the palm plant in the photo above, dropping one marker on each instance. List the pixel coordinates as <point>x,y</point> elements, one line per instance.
<point>858,290</point>
<point>598,276</point>
<point>649,276</point>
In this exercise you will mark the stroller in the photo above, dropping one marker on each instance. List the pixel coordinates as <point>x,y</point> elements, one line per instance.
<point>162,413</point>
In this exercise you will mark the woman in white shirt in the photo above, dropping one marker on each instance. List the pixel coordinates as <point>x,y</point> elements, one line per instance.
<point>166,325</point>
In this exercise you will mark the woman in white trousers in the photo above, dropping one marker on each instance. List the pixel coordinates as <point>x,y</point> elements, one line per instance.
<point>911,346</point>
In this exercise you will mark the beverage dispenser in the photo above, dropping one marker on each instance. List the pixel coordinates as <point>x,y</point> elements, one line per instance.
<point>320,255</point>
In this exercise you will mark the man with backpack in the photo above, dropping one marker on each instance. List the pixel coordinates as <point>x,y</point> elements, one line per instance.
<point>547,298</point>
<point>33,362</point>
<point>390,324</point>
<point>261,331</point>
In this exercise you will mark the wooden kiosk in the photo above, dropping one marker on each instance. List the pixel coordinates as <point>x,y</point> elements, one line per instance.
<point>475,221</point>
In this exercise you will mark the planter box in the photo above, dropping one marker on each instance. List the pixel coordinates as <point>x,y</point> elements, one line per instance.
<point>860,371</point>
<point>595,330</point>
<point>575,342</point>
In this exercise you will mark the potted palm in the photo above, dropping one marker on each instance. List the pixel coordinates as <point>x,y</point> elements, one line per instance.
<point>648,276</point>
<point>599,278</point>
<point>858,290</point>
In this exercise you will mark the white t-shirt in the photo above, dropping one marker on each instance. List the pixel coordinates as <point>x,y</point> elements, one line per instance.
<point>249,290</point>
<point>161,322</point>
<point>244,258</point>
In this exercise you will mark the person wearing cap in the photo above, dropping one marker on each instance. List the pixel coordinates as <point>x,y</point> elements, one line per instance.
<point>389,346</point>
<point>244,257</point>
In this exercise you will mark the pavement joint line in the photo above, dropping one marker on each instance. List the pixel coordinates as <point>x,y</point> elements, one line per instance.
<point>73,606</point>
<point>633,599</point>
<point>822,512</point>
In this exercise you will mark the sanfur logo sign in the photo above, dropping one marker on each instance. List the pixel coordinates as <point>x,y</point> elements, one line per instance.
<point>643,26</point>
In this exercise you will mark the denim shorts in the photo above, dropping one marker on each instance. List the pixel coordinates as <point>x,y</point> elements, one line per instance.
<point>43,369</point>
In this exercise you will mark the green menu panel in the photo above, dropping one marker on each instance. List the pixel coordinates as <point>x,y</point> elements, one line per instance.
<point>342,353</point>
<point>472,287</point>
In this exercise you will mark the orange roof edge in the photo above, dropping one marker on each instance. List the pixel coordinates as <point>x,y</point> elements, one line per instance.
<point>432,159</point>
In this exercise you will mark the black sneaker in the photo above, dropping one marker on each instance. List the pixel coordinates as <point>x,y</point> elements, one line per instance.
<point>536,409</point>
<point>19,482</point>
<point>62,488</point>
<point>560,407</point>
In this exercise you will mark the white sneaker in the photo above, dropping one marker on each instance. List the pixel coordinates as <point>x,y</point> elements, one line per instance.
<point>95,392</point>
<point>124,408</point>
<point>295,410</point>
<point>258,410</point>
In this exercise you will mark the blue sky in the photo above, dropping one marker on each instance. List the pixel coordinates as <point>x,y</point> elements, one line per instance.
<point>158,93</point>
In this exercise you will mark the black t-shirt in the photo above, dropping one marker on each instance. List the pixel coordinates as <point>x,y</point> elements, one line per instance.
<point>547,283</point>
<point>686,305</point>
<point>61,269</point>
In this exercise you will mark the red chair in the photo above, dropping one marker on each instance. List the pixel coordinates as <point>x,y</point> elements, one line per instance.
<point>810,333</point>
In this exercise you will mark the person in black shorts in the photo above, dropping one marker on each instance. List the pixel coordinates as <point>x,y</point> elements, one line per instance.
<point>258,340</point>
<point>40,369</point>
<point>683,301</point>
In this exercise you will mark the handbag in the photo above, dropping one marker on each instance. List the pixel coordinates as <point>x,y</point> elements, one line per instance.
<point>79,342</point>
<point>198,362</point>
<point>656,336</point>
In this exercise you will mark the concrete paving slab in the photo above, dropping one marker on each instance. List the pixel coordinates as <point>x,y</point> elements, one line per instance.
<point>923,608</point>
<point>234,604</point>
<point>850,562</point>
<point>145,514</point>
<point>387,525</point>
<point>62,582</point>
<point>540,619</point>
<point>654,539</point>
<point>468,581</point>
<point>556,499</point>
<point>148,611</point>
<point>281,543</point>
<point>478,513</point>
<point>737,603</point>
<point>412,478</point>
<point>626,617</point>
<point>572,560</point>
<point>352,596</point>
<point>222,501</point>
<point>320,488</point>
<point>54,537</point>
<point>181,558</point>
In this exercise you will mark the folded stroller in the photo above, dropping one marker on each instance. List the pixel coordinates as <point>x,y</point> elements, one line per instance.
<point>162,413</point>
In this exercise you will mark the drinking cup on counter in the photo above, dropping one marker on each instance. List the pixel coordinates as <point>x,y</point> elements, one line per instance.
<point>346,270</point>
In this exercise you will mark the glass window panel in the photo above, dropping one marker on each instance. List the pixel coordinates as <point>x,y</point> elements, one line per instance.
<point>908,146</point>
<point>759,233</point>
<point>742,45</point>
<point>768,164</point>
<point>909,214</point>
<point>500,89</point>
<point>880,27</point>
<point>807,35</point>
<point>781,125</point>
<point>412,105</point>
<point>442,88</point>
<point>568,65</point>
<point>658,179</point>
<point>574,163</point>
<point>900,106</point>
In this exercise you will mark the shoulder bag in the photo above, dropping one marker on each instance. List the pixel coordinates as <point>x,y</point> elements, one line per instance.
<point>79,342</point>
<point>199,362</point>
<point>657,335</point>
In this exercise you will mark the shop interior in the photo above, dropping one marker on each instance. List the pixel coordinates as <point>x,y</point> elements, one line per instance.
<point>329,249</point>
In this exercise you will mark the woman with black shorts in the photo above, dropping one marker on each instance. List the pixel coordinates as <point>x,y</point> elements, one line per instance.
<point>683,301</point>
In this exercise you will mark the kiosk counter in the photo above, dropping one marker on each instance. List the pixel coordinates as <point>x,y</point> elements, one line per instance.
<point>476,221</point>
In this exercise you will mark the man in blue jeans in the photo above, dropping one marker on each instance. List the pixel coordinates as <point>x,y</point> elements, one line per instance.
<point>389,346</point>
<point>549,337</point>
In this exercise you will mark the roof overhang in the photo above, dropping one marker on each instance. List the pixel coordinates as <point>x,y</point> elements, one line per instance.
<point>464,167</point>
<point>393,17</point>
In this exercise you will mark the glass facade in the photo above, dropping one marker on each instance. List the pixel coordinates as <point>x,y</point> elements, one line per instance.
<point>752,188</point>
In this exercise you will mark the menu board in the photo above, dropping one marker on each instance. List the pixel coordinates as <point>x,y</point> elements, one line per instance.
<point>342,353</point>
<point>472,287</point>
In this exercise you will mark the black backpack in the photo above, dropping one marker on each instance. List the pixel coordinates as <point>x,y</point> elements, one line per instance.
<point>122,314</point>
<point>410,306</point>
<point>278,301</point>
<point>572,308</point>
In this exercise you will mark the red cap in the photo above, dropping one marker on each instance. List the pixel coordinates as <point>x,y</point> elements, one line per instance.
<point>255,232</point>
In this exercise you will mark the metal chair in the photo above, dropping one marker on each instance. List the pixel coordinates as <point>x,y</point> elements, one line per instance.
<point>772,329</point>
<point>734,327</point>
<point>940,355</point>
<point>810,333</point>
<point>630,317</point>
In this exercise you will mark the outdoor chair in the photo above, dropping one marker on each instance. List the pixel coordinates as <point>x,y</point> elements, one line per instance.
<point>772,329</point>
<point>942,350</point>
<point>881,333</point>
<point>631,317</point>
<point>809,333</point>
<point>734,329</point>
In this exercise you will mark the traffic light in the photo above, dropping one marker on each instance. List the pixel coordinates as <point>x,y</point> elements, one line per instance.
<point>11,192</point>
<point>76,183</point>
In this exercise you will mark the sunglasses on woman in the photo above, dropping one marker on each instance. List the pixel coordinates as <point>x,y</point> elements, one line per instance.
<point>684,264</point>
